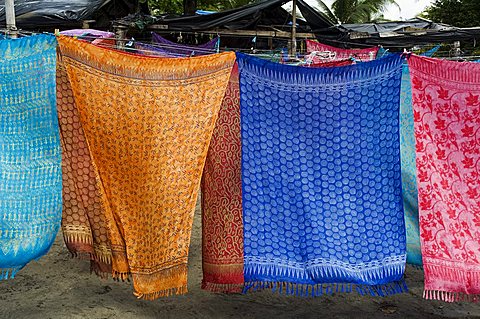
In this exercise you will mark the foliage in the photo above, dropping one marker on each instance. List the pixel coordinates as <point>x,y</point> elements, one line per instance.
<point>459,13</point>
<point>355,11</point>
<point>176,6</point>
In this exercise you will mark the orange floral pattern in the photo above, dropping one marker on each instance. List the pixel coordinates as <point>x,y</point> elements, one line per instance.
<point>148,123</point>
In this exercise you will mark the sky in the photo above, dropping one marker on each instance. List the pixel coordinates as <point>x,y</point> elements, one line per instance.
<point>409,9</point>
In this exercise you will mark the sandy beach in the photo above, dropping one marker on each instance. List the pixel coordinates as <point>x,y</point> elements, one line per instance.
<point>58,286</point>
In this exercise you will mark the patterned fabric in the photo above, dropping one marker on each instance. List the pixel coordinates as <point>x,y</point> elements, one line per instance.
<point>222,200</point>
<point>148,49</point>
<point>83,224</point>
<point>363,55</point>
<point>446,102</point>
<point>30,156</point>
<point>331,64</point>
<point>409,171</point>
<point>185,50</point>
<point>149,145</point>
<point>87,32</point>
<point>381,53</point>
<point>321,179</point>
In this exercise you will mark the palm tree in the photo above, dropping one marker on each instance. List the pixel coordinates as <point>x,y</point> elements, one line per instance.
<point>355,11</point>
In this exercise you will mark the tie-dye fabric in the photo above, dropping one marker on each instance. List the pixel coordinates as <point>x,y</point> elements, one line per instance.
<point>321,178</point>
<point>30,154</point>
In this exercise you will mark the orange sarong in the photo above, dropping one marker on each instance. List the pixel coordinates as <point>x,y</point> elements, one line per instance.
<point>148,123</point>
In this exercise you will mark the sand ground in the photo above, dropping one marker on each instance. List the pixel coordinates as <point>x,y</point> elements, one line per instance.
<point>58,286</point>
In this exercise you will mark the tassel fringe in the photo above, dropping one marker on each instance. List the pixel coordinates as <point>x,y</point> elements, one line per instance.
<point>316,290</point>
<point>450,296</point>
<point>9,273</point>
<point>164,293</point>
<point>222,288</point>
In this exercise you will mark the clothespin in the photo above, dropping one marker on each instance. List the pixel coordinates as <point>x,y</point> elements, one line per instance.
<point>57,32</point>
<point>406,54</point>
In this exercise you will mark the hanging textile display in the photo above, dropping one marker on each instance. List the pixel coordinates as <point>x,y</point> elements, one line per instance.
<point>183,49</point>
<point>446,102</point>
<point>222,225</point>
<point>148,49</point>
<point>87,32</point>
<point>149,146</point>
<point>83,224</point>
<point>321,179</point>
<point>409,171</point>
<point>30,153</point>
<point>330,64</point>
<point>363,55</point>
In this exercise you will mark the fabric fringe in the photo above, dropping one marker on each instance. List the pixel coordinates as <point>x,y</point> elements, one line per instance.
<point>315,290</point>
<point>77,237</point>
<point>450,296</point>
<point>9,273</point>
<point>222,288</point>
<point>164,293</point>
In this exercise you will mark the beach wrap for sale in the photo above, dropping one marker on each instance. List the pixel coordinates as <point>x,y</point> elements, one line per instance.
<point>321,178</point>
<point>30,153</point>
<point>446,103</point>
<point>147,123</point>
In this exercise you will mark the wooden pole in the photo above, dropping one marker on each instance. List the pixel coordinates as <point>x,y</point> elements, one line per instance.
<point>10,18</point>
<point>293,41</point>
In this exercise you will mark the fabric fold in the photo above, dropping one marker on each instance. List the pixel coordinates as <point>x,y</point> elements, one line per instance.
<point>30,153</point>
<point>321,178</point>
<point>446,103</point>
<point>148,123</point>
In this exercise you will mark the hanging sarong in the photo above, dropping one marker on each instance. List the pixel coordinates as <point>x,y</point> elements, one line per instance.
<point>222,200</point>
<point>148,123</point>
<point>363,55</point>
<point>330,64</point>
<point>409,171</point>
<point>183,49</point>
<point>148,49</point>
<point>88,32</point>
<point>83,223</point>
<point>321,179</point>
<point>30,153</point>
<point>446,103</point>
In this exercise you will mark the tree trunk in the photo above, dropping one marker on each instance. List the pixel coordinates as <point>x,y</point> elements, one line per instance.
<point>189,7</point>
<point>143,7</point>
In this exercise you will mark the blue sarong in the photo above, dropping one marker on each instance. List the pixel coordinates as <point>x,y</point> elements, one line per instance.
<point>409,171</point>
<point>321,178</point>
<point>30,154</point>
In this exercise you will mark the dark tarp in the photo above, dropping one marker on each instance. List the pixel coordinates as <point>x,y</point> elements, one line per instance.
<point>396,34</point>
<point>51,12</point>
<point>39,14</point>
<point>268,13</point>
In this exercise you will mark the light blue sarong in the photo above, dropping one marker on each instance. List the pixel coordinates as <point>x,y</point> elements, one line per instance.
<point>30,153</point>
<point>409,171</point>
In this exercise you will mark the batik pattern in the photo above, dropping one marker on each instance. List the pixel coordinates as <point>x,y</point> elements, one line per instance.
<point>446,102</point>
<point>30,154</point>
<point>321,178</point>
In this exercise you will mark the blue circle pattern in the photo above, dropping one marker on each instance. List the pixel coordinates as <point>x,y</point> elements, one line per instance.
<point>321,177</point>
